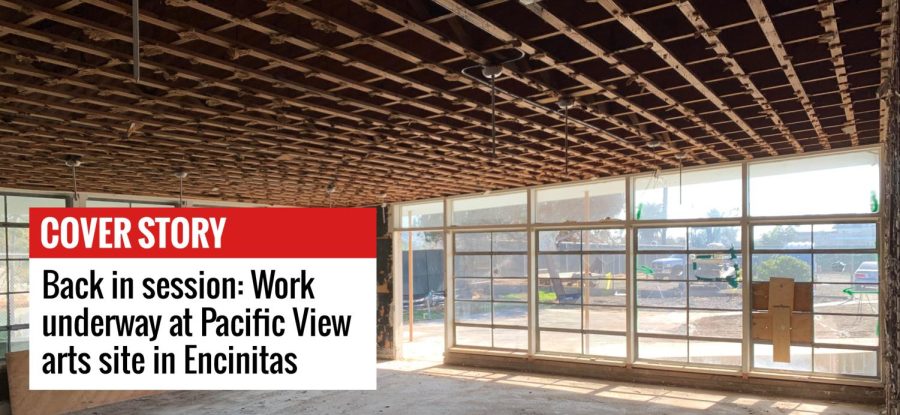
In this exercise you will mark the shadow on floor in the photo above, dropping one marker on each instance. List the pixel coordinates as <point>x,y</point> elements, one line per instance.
<point>432,388</point>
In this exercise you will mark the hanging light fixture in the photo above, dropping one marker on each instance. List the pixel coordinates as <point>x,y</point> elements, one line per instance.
<point>181,174</point>
<point>384,208</point>
<point>565,103</point>
<point>492,71</point>
<point>73,161</point>
<point>329,189</point>
<point>136,39</point>
<point>680,157</point>
<point>654,144</point>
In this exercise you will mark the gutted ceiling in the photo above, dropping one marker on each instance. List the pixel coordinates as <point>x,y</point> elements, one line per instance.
<point>280,101</point>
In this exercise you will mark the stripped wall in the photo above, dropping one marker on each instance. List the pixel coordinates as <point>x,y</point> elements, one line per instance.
<point>891,240</point>
<point>384,326</point>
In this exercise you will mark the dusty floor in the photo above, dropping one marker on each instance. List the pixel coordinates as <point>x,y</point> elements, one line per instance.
<point>406,387</point>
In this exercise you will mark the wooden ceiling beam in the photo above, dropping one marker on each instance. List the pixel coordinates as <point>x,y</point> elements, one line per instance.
<point>777,47</point>
<point>635,76</point>
<point>711,36</point>
<point>320,50</point>
<point>466,13</point>
<point>386,173</point>
<point>235,87</point>
<point>887,35</point>
<point>411,24</point>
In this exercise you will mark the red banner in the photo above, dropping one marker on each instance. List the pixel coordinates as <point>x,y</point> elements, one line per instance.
<point>202,233</point>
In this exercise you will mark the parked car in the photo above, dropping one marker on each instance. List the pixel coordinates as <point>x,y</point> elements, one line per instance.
<point>668,268</point>
<point>867,273</point>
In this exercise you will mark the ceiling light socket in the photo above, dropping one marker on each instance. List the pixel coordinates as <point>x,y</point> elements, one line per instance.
<point>491,71</point>
<point>654,144</point>
<point>680,156</point>
<point>181,174</point>
<point>566,102</point>
<point>73,160</point>
<point>330,188</point>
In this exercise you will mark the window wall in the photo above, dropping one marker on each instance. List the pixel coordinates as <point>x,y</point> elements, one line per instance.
<point>689,294</point>
<point>14,267</point>
<point>657,268</point>
<point>841,262</point>
<point>491,289</point>
<point>581,289</point>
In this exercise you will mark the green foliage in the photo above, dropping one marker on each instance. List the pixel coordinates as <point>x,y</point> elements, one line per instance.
<point>779,236</point>
<point>782,266</point>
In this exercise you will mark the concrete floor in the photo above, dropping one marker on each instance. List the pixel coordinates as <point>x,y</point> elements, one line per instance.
<point>406,387</point>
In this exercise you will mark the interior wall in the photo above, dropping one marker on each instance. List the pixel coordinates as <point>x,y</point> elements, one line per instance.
<point>891,250</point>
<point>385,328</point>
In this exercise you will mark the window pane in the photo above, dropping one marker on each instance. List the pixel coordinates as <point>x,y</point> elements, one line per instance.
<point>475,266</point>
<point>714,267</point>
<point>18,275</point>
<point>801,358</point>
<point>716,295</point>
<point>505,209</point>
<point>422,215</point>
<point>604,239</point>
<point>473,336</point>
<point>796,266</point>
<point>845,298</point>
<point>106,204</point>
<point>559,266</point>
<point>510,289</point>
<point>511,314</point>
<point>473,242</point>
<point>661,294</point>
<point>715,353</point>
<point>662,349</point>
<point>17,239</point>
<point>605,319</point>
<point>604,345</point>
<point>18,310</point>
<point>564,240</point>
<point>846,362</point>
<point>604,266</point>
<point>478,289</point>
<point>817,185</point>
<point>510,266</point>
<point>559,316</point>
<point>721,324</point>
<point>855,268</point>
<point>662,321</point>
<point>511,339</point>
<point>2,238</point>
<point>604,292</point>
<point>4,278</point>
<point>581,203</point>
<point>17,206</point>
<point>18,340</point>
<point>707,193</point>
<point>661,266</point>
<point>560,342</point>
<point>844,236</point>
<point>715,238</point>
<point>782,237</point>
<point>855,330</point>
<point>473,312</point>
<point>509,241</point>
<point>3,310</point>
<point>662,239</point>
<point>559,291</point>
